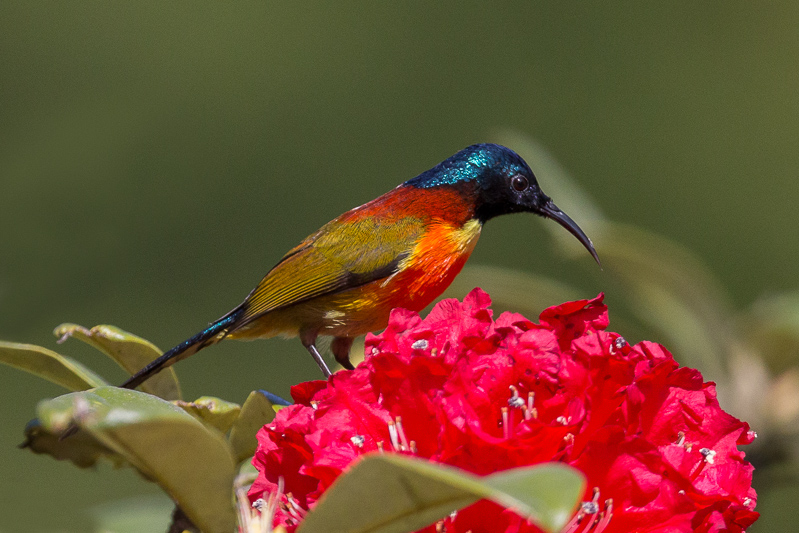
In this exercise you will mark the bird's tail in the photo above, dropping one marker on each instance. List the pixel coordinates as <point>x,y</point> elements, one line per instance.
<point>210,335</point>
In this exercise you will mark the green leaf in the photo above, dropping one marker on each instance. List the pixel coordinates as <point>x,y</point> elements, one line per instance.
<point>390,493</point>
<point>256,412</point>
<point>49,365</point>
<point>190,461</point>
<point>132,353</point>
<point>213,411</point>
<point>82,449</point>
<point>548,493</point>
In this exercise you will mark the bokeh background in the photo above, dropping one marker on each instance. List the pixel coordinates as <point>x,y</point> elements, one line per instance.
<point>156,159</point>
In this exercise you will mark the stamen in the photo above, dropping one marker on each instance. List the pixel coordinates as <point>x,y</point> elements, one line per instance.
<point>530,400</point>
<point>571,526</point>
<point>440,527</point>
<point>515,400</point>
<point>590,517</point>
<point>248,514</point>
<point>294,508</point>
<point>617,344</point>
<point>380,446</point>
<point>607,515</point>
<point>314,404</point>
<point>591,507</point>
<point>421,344</point>
<point>710,455</point>
<point>271,508</point>
<point>259,504</point>
<point>563,420</point>
<point>413,447</point>
<point>681,442</point>
<point>392,433</point>
<point>505,422</point>
<point>401,433</point>
<point>358,440</point>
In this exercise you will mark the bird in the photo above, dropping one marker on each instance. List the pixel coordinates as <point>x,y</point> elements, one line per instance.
<point>402,249</point>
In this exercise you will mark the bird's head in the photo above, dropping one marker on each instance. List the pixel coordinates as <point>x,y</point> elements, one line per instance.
<point>503,184</point>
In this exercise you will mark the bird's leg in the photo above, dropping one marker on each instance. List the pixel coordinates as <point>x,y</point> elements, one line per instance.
<point>341,350</point>
<point>308,339</point>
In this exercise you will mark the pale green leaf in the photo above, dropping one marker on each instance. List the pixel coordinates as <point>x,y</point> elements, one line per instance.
<point>82,449</point>
<point>132,353</point>
<point>391,493</point>
<point>256,412</point>
<point>213,411</point>
<point>49,365</point>
<point>191,462</point>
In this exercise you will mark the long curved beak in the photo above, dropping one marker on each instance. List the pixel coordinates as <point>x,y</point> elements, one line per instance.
<point>550,210</point>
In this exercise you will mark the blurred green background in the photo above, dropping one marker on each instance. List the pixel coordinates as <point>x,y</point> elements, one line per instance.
<point>156,159</point>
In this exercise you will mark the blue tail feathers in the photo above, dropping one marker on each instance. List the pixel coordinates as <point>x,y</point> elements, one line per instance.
<point>208,336</point>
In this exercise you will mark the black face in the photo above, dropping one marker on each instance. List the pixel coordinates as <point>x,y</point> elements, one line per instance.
<point>509,186</point>
<point>508,189</point>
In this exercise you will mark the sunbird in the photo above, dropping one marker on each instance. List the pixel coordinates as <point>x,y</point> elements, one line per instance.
<point>402,249</point>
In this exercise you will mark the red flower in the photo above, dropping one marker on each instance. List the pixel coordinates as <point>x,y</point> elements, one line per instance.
<point>459,388</point>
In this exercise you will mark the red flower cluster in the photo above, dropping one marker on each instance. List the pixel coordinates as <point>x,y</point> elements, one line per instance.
<point>459,388</point>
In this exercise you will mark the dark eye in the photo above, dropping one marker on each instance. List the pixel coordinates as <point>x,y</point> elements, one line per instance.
<point>519,183</point>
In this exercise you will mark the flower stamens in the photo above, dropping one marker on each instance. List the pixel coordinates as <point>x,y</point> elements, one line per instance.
<point>617,344</point>
<point>607,515</point>
<point>420,344</point>
<point>294,508</point>
<point>392,434</point>
<point>401,434</point>
<point>590,516</point>
<point>709,455</point>
<point>515,400</point>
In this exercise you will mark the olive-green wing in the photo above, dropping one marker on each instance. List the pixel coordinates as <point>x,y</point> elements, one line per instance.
<point>340,256</point>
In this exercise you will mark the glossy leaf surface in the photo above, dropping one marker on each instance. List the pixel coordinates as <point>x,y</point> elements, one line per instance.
<point>255,413</point>
<point>390,493</point>
<point>213,411</point>
<point>132,353</point>
<point>49,365</point>
<point>190,461</point>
